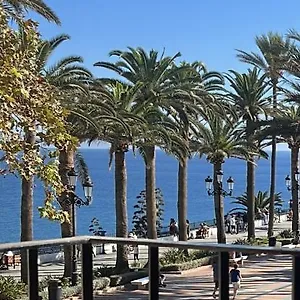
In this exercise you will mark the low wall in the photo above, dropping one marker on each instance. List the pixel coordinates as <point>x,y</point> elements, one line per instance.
<point>51,257</point>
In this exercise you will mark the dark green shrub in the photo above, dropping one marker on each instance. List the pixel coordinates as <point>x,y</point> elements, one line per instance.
<point>187,265</point>
<point>287,233</point>
<point>252,242</point>
<point>11,289</point>
<point>104,271</point>
<point>244,241</point>
<point>285,241</point>
<point>197,254</point>
<point>139,219</point>
<point>174,256</point>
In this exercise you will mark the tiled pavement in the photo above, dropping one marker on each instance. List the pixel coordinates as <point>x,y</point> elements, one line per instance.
<point>263,278</point>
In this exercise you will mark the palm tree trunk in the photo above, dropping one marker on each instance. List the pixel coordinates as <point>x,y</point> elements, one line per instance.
<point>150,192</point>
<point>26,209</point>
<point>121,209</point>
<point>251,198</point>
<point>182,198</point>
<point>219,205</point>
<point>295,192</point>
<point>66,163</point>
<point>273,171</point>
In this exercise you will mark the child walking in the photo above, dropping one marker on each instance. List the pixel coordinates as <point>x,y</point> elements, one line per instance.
<point>236,277</point>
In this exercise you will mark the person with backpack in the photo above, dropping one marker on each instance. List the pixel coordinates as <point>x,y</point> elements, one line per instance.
<point>235,277</point>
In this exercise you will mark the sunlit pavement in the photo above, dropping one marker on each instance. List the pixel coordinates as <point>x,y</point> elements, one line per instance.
<point>263,278</point>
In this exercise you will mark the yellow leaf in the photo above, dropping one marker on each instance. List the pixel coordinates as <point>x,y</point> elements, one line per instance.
<point>15,72</point>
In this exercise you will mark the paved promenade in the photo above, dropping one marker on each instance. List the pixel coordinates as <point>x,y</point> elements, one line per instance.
<point>263,278</point>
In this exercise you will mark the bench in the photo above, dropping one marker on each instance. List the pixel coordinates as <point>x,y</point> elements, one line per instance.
<point>289,246</point>
<point>237,260</point>
<point>140,283</point>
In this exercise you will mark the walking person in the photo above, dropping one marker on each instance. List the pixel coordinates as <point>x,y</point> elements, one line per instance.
<point>232,225</point>
<point>235,277</point>
<point>215,267</point>
<point>136,252</point>
<point>188,230</point>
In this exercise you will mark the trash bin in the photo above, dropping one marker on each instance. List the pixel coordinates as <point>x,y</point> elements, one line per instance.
<point>54,290</point>
<point>272,241</point>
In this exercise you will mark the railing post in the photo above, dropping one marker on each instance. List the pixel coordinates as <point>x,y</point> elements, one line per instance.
<point>296,277</point>
<point>87,271</point>
<point>224,275</point>
<point>153,273</point>
<point>33,274</point>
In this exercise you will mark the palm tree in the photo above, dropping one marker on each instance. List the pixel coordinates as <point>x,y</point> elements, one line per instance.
<point>218,140</point>
<point>272,61</point>
<point>154,73</point>
<point>249,98</point>
<point>190,107</point>
<point>261,202</point>
<point>123,98</point>
<point>70,78</point>
<point>16,9</point>
<point>286,126</point>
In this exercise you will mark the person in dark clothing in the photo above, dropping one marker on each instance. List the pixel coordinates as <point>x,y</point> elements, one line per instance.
<point>215,267</point>
<point>245,220</point>
<point>236,277</point>
<point>188,228</point>
<point>162,279</point>
<point>172,226</point>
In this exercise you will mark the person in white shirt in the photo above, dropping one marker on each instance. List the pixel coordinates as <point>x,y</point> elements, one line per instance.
<point>232,225</point>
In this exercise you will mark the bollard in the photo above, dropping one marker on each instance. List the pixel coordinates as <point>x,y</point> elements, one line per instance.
<point>54,290</point>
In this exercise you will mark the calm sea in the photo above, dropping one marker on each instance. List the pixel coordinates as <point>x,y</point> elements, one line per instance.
<point>200,206</point>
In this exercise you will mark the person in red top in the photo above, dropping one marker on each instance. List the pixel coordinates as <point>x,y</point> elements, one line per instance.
<point>236,277</point>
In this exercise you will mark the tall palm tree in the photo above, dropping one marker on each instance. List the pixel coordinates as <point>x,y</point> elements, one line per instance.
<point>154,73</point>
<point>287,127</point>
<point>16,9</point>
<point>219,140</point>
<point>192,106</point>
<point>274,54</point>
<point>249,97</point>
<point>70,78</point>
<point>123,98</point>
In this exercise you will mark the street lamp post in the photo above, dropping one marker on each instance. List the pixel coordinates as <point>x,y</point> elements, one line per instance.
<point>219,193</point>
<point>294,188</point>
<point>75,201</point>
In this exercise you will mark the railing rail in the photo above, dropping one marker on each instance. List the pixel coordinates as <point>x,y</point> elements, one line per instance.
<point>154,245</point>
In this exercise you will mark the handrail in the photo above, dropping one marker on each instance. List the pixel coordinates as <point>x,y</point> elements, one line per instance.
<point>148,242</point>
<point>223,251</point>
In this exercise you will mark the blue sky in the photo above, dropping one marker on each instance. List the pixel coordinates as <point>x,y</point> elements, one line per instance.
<point>208,31</point>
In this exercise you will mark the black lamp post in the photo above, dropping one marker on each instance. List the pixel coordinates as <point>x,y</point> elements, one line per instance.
<point>76,201</point>
<point>219,191</point>
<point>294,188</point>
